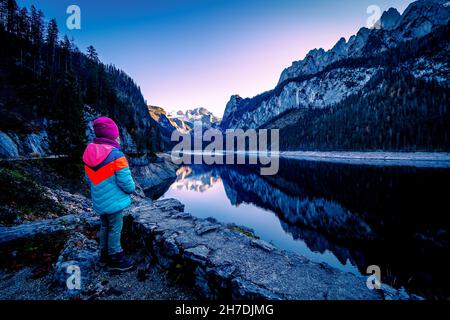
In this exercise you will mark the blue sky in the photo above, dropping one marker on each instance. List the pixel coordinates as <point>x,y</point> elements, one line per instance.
<point>192,53</point>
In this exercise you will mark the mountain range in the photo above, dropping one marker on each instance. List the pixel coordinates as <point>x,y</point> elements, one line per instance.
<point>409,51</point>
<point>182,121</point>
<point>384,88</point>
<point>186,119</point>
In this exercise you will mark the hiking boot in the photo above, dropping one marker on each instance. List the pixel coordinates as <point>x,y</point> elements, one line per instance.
<point>104,258</point>
<point>118,262</point>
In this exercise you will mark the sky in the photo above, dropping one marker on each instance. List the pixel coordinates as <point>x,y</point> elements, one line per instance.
<point>197,53</point>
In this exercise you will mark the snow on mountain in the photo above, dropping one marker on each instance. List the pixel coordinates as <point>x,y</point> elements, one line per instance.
<point>417,20</point>
<point>317,80</point>
<point>181,121</point>
<point>187,118</point>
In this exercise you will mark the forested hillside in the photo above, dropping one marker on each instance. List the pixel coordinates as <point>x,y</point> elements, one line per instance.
<point>47,85</point>
<point>395,112</point>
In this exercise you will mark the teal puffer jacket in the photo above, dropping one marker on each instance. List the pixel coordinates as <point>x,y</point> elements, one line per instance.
<point>109,176</point>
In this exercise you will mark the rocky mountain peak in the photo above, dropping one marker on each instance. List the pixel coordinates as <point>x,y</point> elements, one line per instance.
<point>389,19</point>
<point>340,46</point>
<point>419,19</point>
<point>231,105</point>
<point>421,16</point>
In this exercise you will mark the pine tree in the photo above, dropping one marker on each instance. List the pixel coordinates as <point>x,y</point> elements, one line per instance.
<point>92,54</point>
<point>52,39</point>
<point>52,33</point>
<point>23,24</point>
<point>3,13</point>
<point>37,26</point>
<point>66,46</point>
<point>37,37</point>
<point>11,23</point>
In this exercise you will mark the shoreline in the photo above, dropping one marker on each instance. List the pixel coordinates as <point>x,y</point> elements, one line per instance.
<point>379,158</point>
<point>420,159</point>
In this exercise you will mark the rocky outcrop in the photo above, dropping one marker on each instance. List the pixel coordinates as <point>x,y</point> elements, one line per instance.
<point>167,125</point>
<point>225,263</point>
<point>150,174</point>
<point>389,19</point>
<point>31,145</point>
<point>232,106</point>
<point>38,144</point>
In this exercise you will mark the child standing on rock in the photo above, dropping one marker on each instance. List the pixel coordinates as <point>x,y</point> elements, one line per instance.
<point>111,185</point>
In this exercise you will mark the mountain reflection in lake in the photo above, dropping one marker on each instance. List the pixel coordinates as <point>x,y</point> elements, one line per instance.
<point>345,215</point>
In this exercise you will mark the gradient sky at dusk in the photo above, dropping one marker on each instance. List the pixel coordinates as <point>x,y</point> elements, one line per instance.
<point>191,53</point>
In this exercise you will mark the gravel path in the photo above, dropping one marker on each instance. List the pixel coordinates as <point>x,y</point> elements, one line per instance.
<point>157,285</point>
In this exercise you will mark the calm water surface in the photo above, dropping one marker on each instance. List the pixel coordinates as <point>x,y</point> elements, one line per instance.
<point>348,216</point>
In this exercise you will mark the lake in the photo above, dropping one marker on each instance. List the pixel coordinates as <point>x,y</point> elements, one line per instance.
<point>348,216</point>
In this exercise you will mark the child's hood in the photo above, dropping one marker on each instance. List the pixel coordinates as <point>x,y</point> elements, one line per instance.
<point>96,153</point>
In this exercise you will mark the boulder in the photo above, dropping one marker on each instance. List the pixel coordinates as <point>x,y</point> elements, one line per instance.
<point>76,264</point>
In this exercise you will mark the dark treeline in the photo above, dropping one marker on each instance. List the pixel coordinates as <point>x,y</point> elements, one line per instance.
<point>45,77</point>
<point>395,112</point>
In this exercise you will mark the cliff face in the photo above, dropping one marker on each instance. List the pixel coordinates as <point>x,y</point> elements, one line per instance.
<point>325,78</point>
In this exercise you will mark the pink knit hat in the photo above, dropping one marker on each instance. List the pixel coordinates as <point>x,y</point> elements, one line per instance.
<point>105,127</point>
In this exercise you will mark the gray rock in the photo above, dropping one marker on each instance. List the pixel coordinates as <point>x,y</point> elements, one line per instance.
<point>36,144</point>
<point>79,256</point>
<point>202,283</point>
<point>400,294</point>
<point>170,246</point>
<point>246,290</point>
<point>8,148</point>
<point>198,254</point>
<point>205,227</point>
<point>222,275</point>
<point>263,245</point>
<point>183,215</point>
<point>389,19</point>
<point>151,174</point>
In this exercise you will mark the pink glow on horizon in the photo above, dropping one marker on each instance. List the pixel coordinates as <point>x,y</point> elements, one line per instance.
<point>249,69</point>
<point>197,53</point>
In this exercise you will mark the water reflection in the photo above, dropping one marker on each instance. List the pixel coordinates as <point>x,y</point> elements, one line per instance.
<point>186,179</point>
<point>347,216</point>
